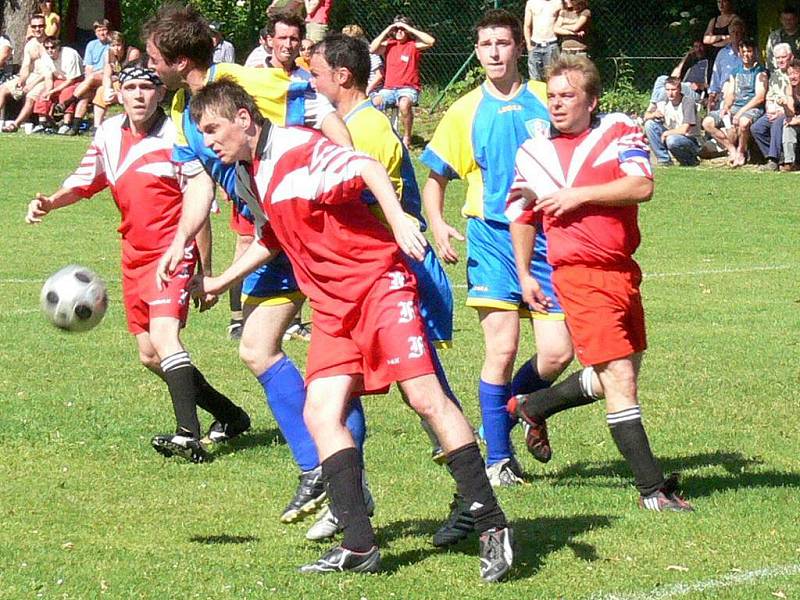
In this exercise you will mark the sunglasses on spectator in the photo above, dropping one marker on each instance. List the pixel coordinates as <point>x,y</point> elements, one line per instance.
<point>37,26</point>
<point>51,47</point>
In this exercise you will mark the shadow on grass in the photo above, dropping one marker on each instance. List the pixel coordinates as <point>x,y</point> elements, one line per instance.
<point>223,539</point>
<point>735,464</point>
<point>248,441</point>
<point>534,539</point>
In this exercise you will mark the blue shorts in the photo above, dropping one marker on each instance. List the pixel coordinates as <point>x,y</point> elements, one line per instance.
<point>392,95</point>
<point>492,280</point>
<point>273,281</point>
<point>435,297</point>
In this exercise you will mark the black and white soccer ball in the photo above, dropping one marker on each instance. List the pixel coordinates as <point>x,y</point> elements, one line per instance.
<point>74,298</point>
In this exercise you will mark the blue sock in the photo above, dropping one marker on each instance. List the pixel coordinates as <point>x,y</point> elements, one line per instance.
<point>527,380</point>
<point>357,424</point>
<point>497,423</point>
<point>286,394</point>
<point>442,377</point>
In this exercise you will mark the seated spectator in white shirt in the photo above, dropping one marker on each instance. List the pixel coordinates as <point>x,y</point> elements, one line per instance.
<point>671,127</point>
<point>61,76</point>
<point>259,57</point>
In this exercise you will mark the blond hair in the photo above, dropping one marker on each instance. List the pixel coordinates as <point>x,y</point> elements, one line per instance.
<point>575,63</point>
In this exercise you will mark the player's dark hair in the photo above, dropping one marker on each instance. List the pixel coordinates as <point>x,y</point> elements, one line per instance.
<point>572,63</point>
<point>499,17</point>
<point>748,43</point>
<point>789,9</point>
<point>351,53</point>
<point>673,81</point>
<point>180,31</point>
<point>224,97</point>
<point>292,19</point>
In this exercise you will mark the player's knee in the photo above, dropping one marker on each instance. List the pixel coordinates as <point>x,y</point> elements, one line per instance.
<point>553,362</point>
<point>149,359</point>
<point>708,123</point>
<point>377,100</point>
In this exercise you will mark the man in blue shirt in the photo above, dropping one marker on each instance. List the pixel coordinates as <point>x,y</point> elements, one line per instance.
<point>727,61</point>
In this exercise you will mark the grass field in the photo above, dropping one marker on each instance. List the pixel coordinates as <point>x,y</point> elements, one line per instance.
<point>89,510</point>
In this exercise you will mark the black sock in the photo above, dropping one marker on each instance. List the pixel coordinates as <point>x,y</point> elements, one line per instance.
<point>468,469</point>
<point>342,472</point>
<point>179,375</point>
<point>631,440</point>
<point>212,401</point>
<point>569,393</point>
<point>235,301</point>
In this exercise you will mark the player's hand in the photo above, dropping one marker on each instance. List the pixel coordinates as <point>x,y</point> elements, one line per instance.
<point>533,295</point>
<point>202,300</point>
<point>37,209</point>
<point>168,263</point>
<point>410,239</point>
<point>442,234</point>
<point>209,286</point>
<point>559,202</point>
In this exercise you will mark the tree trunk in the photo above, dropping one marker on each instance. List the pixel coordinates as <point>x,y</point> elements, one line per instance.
<point>14,19</point>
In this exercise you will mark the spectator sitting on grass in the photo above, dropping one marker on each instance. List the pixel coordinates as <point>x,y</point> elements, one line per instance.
<point>119,55</point>
<point>29,76</point>
<point>671,127</point>
<point>61,76</point>
<point>792,125</point>
<point>743,104</point>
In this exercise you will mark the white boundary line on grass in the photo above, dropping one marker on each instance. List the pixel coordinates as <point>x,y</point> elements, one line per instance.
<point>727,581</point>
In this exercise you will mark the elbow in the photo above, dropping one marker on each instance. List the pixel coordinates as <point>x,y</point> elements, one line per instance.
<point>645,191</point>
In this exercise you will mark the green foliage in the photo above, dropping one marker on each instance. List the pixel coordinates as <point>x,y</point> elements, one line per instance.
<point>623,95</point>
<point>471,79</point>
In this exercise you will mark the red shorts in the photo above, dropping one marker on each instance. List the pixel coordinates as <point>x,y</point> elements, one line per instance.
<point>386,342</point>
<point>44,106</point>
<point>604,311</point>
<point>239,224</point>
<point>144,301</point>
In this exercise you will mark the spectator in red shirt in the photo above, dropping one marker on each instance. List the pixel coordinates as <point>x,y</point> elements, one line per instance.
<point>401,46</point>
<point>318,14</point>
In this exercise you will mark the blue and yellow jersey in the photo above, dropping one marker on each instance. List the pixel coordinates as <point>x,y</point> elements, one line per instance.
<point>372,134</point>
<point>477,140</point>
<point>280,99</point>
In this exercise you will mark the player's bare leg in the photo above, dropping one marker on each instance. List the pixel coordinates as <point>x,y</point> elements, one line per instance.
<point>466,465</point>
<point>406,108</point>
<point>261,344</point>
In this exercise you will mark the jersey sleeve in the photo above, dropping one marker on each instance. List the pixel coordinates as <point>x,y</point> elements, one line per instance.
<point>633,151</point>
<point>334,173</point>
<point>90,176</point>
<point>450,153</point>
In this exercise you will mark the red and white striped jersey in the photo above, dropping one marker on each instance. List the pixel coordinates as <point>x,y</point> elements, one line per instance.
<point>591,235</point>
<point>305,195</point>
<point>145,183</point>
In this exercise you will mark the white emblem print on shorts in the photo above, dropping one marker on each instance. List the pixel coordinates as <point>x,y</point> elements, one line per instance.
<point>398,280</point>
<point>416,346</point>
<point>406,311</point>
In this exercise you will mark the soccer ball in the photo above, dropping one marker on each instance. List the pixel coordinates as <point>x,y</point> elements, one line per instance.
<point>74,298</point>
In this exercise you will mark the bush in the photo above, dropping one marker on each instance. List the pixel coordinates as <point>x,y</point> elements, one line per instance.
<point>623,95</point>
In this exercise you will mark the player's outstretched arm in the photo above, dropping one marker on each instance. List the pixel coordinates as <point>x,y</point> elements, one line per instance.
<point>41,204</point>
<point>256,255</point>
<point>433,201</point>
<point>197,198</point>
<point>406,232</point>
<point>522,240</point>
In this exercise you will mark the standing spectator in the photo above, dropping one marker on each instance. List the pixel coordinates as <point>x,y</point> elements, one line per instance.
<point>375,62</point>
<point>296,7</point>
<point>742,106</point>
<point>671,127</point>
<point>768,130</point>
<point>83,14</point>
<point>540,35</point>
<point>29,74</point>
<point>224,51</point>
<point>304,60</point>
<point>727,60</point>
<point>572,27</point>
<point>787,33</point>
<point>718,34</point>
<point>584,181</point>
<point>260,55</point>
<point>61,77</point>
<point>695,68</point>
<point>318,14</point>
<point>792,111</point>
<point>401,46</point>
<point>119,55</point>
<point>52,22</point>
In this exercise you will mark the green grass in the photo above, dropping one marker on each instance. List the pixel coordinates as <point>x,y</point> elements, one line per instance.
<point>89,510</point>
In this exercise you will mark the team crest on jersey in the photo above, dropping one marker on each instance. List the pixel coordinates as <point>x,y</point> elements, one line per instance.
<point>538,127</point>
